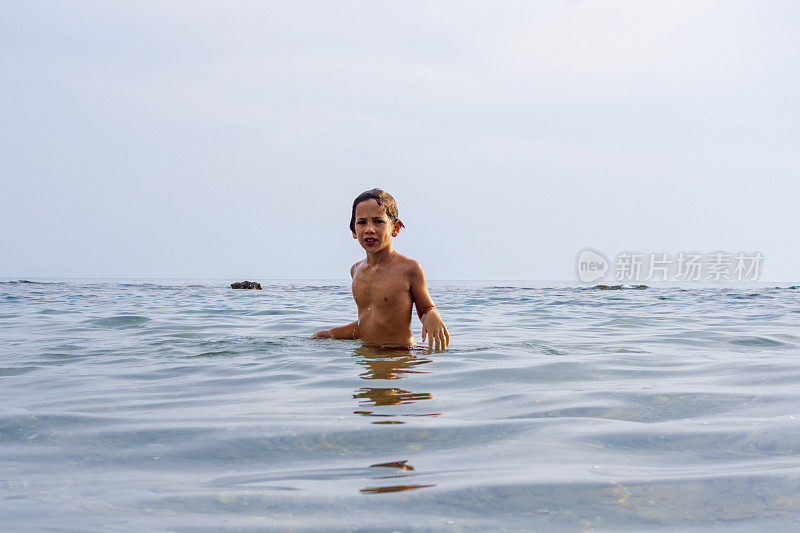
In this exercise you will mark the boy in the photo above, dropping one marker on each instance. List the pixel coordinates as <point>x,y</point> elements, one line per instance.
<point>386,284</point>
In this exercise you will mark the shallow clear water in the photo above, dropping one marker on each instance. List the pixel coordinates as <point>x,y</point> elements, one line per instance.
<point>186,405</point>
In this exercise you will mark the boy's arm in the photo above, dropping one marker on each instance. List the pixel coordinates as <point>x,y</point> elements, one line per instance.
<point>432,324</point>
<point>350,331</point>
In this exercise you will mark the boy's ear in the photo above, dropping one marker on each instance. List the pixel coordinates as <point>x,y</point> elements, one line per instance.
<point>396,229</point>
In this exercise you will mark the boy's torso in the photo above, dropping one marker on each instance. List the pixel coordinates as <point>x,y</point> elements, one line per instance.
<point>383,296</point>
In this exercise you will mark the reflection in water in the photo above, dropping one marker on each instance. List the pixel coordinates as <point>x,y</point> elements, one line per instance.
<point>382,363</point>
<point>395,488</point>
<point>403,470</point>
<point>397,464</point>
<point>389,363</point>
<point>389,396</point>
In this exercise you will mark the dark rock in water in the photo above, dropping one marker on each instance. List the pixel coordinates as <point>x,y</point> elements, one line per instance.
<point>794,287</point>
<point>246,285</point>
<point>24,281</point>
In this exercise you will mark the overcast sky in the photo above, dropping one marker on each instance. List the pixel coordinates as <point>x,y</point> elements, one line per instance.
<point>228,139</point>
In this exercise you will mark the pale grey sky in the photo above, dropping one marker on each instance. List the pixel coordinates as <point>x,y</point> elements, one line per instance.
<point>228,139</point>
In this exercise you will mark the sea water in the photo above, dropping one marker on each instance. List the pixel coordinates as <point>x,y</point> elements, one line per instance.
<point>186,405</point>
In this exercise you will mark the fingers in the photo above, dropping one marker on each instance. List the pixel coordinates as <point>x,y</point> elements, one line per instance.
<point>439,337</point>
<point>440,340</point>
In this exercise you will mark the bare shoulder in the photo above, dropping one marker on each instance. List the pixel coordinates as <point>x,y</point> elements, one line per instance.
<point>354,268</point>
<point>410,267</point>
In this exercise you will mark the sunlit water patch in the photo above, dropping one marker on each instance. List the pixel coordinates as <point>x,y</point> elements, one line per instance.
<point>186,405</point>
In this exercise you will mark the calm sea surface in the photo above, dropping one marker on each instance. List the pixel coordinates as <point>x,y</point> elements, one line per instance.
<point>186,405</point>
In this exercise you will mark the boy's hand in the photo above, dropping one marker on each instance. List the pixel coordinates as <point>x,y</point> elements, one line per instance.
<point>434,329</point>
<point>324,334</point>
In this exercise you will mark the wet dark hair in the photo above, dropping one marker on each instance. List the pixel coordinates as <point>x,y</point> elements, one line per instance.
<point>384,200</point>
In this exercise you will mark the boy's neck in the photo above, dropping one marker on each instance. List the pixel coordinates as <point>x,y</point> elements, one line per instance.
<point>381,256</point>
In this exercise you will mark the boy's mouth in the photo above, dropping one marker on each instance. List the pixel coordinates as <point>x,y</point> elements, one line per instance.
<point>370,241</point>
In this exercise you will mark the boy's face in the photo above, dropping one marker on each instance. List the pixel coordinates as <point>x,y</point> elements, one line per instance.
<point>374,229</point>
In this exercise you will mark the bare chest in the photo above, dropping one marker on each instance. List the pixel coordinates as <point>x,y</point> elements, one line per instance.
<point>376,288</point>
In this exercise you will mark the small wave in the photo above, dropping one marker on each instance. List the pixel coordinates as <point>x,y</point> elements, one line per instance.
<point>269,312</point>
<point>16,371</point>
<point>745,296</point>
<point>49,311</point>
<point>619,287</point>
<point>120,321</point>
<point>146,286</point>
<point>217,353</point>
<point>757,342</point>
<point>310,288</point>
<point>237,345</point>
